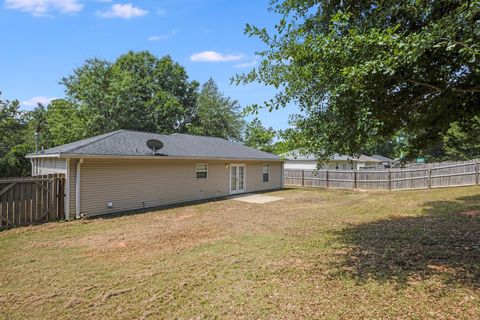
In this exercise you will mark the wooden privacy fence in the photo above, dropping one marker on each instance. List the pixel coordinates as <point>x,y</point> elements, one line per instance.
<point>25,201</point>
<point>463,174</point>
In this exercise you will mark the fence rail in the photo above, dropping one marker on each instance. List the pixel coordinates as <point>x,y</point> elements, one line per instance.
<point>25,201</point>
<point>450,175</point>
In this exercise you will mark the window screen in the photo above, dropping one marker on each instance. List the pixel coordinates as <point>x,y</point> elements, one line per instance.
<point>202,170</point>
<point>265,172</point>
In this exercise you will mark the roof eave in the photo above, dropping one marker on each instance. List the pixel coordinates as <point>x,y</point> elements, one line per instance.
<point>157,157</point>
<point>40,155</point>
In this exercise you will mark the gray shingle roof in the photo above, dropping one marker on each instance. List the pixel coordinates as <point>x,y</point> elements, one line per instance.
<point>133,143</point>
<point>382,158</point>
<point>367,159</point>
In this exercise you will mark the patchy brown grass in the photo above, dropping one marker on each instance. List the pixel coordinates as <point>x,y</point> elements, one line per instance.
<point>316,254</point>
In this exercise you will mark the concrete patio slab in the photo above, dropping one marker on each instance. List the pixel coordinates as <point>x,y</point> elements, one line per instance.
<point>255,198</point>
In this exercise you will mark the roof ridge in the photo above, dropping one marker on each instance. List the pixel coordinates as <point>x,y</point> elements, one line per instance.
<point>142,131</point>
<point>100,138</point>
<point>198,135</point>
<point>253,148</point>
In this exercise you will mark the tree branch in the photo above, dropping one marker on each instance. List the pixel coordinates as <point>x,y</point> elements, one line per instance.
<point>438,89</point>
<point>466,90</point>
<point>431,86</point>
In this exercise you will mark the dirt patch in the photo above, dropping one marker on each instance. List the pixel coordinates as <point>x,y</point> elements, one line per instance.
<point>115,293</point>
<point>293,263</point>
<point>471,213</point>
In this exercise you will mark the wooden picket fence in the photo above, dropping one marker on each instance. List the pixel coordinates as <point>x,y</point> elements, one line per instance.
<point>461,174</point>
<point>25,201</point>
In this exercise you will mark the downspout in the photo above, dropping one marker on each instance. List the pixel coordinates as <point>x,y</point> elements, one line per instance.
<point>77,189</point>
<point>283,176</point>
<point>67,190</point>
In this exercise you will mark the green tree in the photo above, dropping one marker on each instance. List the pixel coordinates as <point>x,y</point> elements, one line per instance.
<point>58,123</point>
<point>361,71</point>
<point>137,91</point>
<point>37,125</point>
<point>259,137</point>
<point>216,115</point>
<point>65,122</point>
<point>463,142</point>
<point>12,139</point>
<point>389,148</point>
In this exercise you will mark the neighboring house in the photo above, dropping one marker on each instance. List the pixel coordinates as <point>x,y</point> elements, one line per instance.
<point>117,172</point>
<point>364,162</point>
<point>386,162</point>
<point>295,161</point>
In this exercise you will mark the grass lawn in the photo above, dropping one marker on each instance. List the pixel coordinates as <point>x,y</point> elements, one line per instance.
<point>318,253</point>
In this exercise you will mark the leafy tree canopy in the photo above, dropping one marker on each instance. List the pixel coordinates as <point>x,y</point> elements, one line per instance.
<point>12,126</point>
<point>259,137</point>
<point>216,115</point>
<point>137,91</point>
<point>362,71</point>
<point>463,141</point>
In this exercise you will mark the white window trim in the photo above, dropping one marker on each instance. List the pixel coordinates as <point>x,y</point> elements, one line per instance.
<point>266,164</point>
<point>197,171</point>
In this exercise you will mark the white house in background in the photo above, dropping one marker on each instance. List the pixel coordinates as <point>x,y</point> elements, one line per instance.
<point>386,162</point>
<point>295,161</point>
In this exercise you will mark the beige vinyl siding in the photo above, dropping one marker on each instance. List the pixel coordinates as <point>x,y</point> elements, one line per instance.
<point>138,184</point>
<point>254,177</point>
<point>48,165</point>
<point>135,184</point>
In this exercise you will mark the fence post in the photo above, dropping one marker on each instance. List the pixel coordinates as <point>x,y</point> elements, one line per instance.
<point>327,180</point>
<point>354,179</point>
<point>303,178</point>
<point>389,180</point>
<point>476,172</point>
<point>429,177</point>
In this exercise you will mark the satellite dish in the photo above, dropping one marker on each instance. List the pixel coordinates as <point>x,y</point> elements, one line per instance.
<point>154,145</point>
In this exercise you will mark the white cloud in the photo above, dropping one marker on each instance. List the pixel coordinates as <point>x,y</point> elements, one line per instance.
<point>124,11</point>
<point>164,36</point>
<point>252,63</point>
<point>157,37</point>
<point>212,56</point>
<point>33,102</point>
<point>42,8</point>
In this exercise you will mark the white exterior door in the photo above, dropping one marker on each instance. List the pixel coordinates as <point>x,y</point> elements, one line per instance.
<point>237,178</point>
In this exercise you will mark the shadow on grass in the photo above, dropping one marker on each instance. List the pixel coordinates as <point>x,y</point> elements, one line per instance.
<point>117,214</point>
<point>443,242</point>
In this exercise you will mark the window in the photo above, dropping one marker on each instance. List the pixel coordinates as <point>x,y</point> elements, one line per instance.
<point>265,172</point>
<point>202,170</point>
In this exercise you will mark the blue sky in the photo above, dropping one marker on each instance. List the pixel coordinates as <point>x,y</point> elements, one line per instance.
<point>44,40</point>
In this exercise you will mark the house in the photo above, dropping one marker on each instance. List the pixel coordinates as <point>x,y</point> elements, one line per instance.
<point>294,160</point>
<point>117,171</point>
<point>386,162</point>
